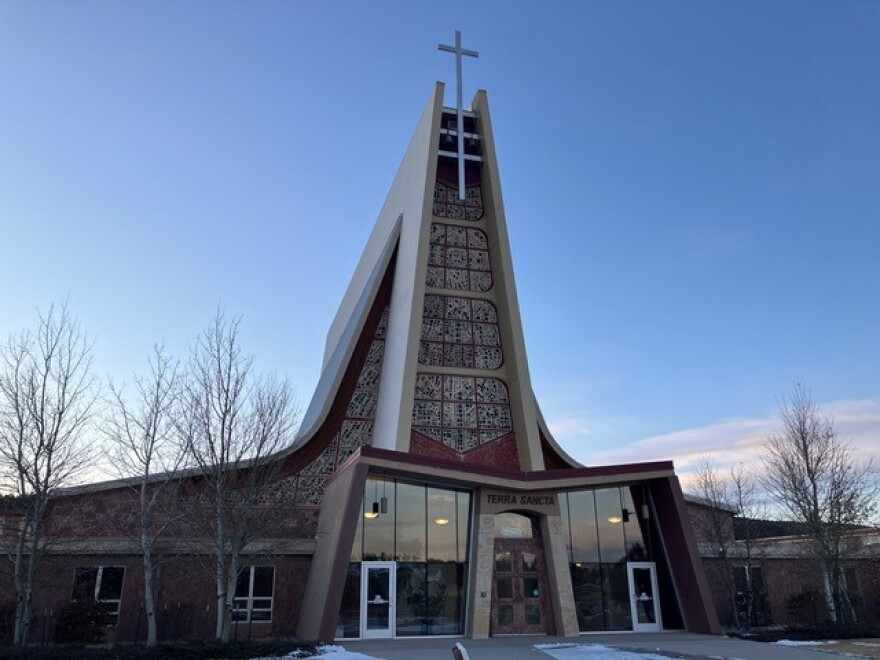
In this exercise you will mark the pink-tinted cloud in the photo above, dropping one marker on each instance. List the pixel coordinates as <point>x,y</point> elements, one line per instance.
<point>739,440</point>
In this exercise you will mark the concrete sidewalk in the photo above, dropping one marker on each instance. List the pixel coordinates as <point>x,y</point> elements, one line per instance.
<point>675,645</point>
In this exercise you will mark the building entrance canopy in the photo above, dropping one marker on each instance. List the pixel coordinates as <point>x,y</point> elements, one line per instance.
<point>438,522</point>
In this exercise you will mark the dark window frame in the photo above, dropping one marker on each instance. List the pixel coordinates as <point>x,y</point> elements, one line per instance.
<point>245,604</point>
<point>114,605</point>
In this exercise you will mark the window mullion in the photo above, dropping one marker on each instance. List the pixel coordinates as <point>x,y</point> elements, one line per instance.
<point>250,601</point>
<point>98,582</point>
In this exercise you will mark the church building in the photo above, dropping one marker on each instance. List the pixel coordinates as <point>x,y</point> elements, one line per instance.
<point>427,493</point>
<point>451,509</point>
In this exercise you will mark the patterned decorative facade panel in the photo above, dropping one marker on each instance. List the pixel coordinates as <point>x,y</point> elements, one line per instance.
<point>459,259</point>
<point>310,491</point>
<point>460,332</point>
<point>487,358</point>
<point>461,412</point>
<point>357,425</point>
<point>282,492</point>
<point>448,205</point>
<point>325,463</point>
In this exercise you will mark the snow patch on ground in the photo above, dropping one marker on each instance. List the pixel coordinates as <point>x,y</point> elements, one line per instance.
<point>332,652</point>
<point>296,653</point>
<point>791,642</point>
<point>339,653</point>
<point>594,652</point>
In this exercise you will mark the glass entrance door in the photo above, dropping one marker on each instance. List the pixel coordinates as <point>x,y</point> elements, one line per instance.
<point>643,596</point>
<point>377,598</point>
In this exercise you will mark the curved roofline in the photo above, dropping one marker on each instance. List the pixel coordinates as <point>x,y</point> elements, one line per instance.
<point>545,431</point>
<point>337,362</point>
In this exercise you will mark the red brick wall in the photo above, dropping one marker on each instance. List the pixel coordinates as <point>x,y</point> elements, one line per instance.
<point>794,592</point>
<point>186,596</point>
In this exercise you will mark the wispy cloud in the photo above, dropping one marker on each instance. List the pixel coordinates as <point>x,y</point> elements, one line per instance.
<point>570,427</point>
<point>728,441</point>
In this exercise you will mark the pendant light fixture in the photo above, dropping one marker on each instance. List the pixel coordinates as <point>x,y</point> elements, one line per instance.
<point>374,509</point>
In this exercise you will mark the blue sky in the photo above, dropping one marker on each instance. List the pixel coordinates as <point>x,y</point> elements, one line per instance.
<point>692,191</point>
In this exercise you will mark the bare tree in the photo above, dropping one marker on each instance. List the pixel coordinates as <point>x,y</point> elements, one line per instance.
<point>714,526</point>
<point>746,500</point>
<point>142,431</point>
<point>47,397</point>
<point>726,496</point>
<point>233,422</point>
<point>814,477</point>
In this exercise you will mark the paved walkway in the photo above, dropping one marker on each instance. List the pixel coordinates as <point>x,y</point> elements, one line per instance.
<point>674,645</point>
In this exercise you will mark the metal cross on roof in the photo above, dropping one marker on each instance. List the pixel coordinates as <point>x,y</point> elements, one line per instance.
<point>459,51</point>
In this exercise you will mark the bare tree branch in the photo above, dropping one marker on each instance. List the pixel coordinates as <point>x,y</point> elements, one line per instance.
<point>143,434</point>
<point>47,399</point>
<point>814,477</point>
<point>232,423</point>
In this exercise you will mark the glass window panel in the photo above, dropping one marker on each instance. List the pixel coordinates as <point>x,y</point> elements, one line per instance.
<point>533,615</point>
<point>566,523</point>
<point>582,512</point>
<point>739,578</point>
<point>644,593</point>
<point>111,583</point>
<point>463,520</point>
<point>633,528</point>
<point>239,612</point>
<point>530,587</point>
<point>442,545</point>
<point>262,603</point>
<point>357,547</point>
<point>243,583</point>
<point>349,624</point>
<point>445,599</point>
<point>378,531</point>
<point>377,616</point>
<point>615,583</point>
<point>503,562</point>
<point>514,526</point>
<point>586,580</point>
<point>263,579</point>
<point>411,599</point>
<point>261,615</point>
<point>505,615</point>
<point>410,522</point>
<point>378,583</point>
<point>609,514</point>
<point>529,562</point>
<point>504,587</point>
<point>758,579</point>
<point>84,580</point>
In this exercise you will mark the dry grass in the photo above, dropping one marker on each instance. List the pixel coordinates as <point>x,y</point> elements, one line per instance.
<point>865,648</point>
